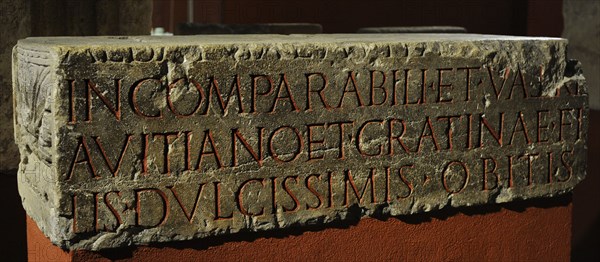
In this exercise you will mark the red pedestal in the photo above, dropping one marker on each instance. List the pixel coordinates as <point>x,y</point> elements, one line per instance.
<point>534,230</point>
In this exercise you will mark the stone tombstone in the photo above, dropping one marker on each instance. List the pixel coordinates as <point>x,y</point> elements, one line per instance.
<point>132,140</point>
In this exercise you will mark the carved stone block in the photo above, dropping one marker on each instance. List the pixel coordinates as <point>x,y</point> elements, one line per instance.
<point>129,140</point>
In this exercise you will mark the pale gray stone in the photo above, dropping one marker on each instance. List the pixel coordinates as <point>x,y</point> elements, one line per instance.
<point>132,140</point>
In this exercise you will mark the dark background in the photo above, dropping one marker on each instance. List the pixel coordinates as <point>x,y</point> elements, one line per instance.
<point>509,17</point>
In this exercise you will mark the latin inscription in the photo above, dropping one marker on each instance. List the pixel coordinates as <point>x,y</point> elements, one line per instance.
<point>132,140</point>
<point>197,151</point>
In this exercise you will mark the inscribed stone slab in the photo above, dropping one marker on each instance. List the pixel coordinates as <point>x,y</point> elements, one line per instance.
<point>131,140</point>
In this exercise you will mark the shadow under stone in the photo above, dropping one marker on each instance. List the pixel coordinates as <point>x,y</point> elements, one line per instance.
<point>13,245</point>
<point>352,220</point>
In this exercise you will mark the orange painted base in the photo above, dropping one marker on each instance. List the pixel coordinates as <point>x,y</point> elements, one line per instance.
<point>537,230</point>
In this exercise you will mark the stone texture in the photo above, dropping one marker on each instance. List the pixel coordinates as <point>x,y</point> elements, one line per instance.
<point>131,140</point>
<point>23,18</point>
<point>413,29</point>
<point>269,28</point>
<point>582,29</point>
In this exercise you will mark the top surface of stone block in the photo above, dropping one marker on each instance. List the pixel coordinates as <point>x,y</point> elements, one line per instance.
<point>270,39</point>
<point>132,140</point>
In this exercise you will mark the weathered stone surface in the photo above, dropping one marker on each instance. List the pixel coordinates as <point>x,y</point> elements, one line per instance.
<point>268,28</point>
<point>23,18</point>
<point>128,140</point>
<point>413,29</point>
